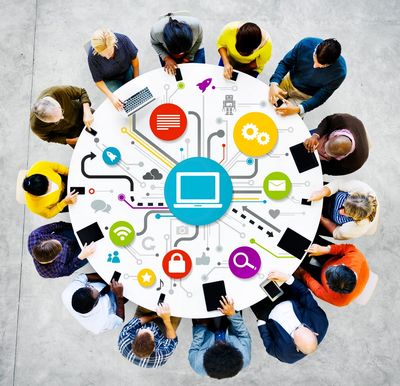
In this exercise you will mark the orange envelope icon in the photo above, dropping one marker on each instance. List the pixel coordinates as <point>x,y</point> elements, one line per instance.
<point>277,185</point>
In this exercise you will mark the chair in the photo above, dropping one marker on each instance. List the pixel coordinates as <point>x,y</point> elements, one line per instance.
<point>369,289</point>
<point>19,191</point>
<point>86,47</point>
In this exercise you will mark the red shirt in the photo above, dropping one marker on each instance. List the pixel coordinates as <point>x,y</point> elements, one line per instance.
<point>350,256</point>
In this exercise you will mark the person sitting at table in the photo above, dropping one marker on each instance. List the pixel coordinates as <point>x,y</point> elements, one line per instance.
<point>221,347</point>
<point>341,278</point>
<point>149,339</point>
<point>177,38</point>
<point>55,250</point>
<point>307,76</point>
<point>244,47</point>
<point>95,305</point>
<point>112,62</point>
<point>60,114</point>
<point>341,142</point>
<point>294,325</point>
<point>350,209</point>
<point>45,188</point>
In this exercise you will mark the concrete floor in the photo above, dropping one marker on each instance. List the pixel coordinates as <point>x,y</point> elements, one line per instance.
<point>41,45</point>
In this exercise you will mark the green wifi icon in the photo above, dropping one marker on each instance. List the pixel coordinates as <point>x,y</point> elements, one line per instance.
<point>122,233</point>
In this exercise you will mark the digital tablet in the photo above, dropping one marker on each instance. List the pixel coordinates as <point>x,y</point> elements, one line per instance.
<point>212,294</point>
<point>302,158</point>
<point>294,243</point>
<point>90,233</point>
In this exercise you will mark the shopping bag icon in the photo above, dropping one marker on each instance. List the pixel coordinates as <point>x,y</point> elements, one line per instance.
<point>277,185</point>
<point>176,264</point>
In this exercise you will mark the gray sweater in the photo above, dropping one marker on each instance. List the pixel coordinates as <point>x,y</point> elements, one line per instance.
<point>157,38</point>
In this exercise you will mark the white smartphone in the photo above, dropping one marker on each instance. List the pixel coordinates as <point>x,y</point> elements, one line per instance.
<point>272,289</point>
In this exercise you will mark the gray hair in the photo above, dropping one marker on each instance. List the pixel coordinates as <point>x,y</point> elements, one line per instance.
<point>44,109</point>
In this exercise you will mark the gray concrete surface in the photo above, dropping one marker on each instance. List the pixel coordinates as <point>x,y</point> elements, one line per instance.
<point>41,45</point>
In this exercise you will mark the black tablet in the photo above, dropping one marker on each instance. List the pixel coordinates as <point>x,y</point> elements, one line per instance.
<point>212,294</point>
<point>90,233</point>
<point>294,243</point>
<point>302,158</point>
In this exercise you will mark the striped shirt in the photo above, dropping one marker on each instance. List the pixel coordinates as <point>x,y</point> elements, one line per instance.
<point>163,347</point>
<point>337,218</point>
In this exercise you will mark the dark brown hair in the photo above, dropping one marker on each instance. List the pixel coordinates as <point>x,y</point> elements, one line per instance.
<point>46,251</point>
<point>143,345</point>
<point>248,38</point>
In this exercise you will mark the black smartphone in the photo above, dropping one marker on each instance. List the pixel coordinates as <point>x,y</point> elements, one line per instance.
<point>78,189</point>
<point>116,275</point>
<point>178,74</point>
<point>304,201</point>
<point>272,289</point>
<point>91,131</point>
<point>161,299</point>
<point>234,75</point>
<point>213,293</point>
<point>279,103</point>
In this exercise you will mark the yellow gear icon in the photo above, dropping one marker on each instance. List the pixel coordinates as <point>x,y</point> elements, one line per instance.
<point>250,131</point>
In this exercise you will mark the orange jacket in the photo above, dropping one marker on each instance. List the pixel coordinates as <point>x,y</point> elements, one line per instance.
<point>350,256</point>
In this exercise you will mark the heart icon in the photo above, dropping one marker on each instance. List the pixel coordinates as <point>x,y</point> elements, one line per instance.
<point>274,213</point>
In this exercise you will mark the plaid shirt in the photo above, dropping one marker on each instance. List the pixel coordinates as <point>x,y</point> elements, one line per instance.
<point>67,261</point>
<point>163,347</point>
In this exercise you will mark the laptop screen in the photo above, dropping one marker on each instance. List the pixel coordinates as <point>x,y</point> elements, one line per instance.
<point>197,187</point>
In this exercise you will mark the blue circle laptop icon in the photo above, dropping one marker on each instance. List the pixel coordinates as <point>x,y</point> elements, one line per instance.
<point>198,191</point>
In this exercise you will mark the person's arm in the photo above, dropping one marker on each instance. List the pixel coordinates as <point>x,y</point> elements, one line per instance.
<point>285,65</point>
<point>321,96</point>
<point>328,224</point>
<point>135,66</point>
<point>264,56</point>
<point>345,185</point>
<point>267,339</point>
<point>157,40</point>
<point>116,102</point>
<point>163,311</point>
<point>56,167</point>
<point>118,290</point>
<point>228,69</point>
<point>320,194</point>
<point>74,93</point>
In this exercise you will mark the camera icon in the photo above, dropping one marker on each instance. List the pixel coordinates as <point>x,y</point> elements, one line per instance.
<point>182,230</point>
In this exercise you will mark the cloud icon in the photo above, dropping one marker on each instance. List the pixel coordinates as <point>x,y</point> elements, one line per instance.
<point>153,174</point>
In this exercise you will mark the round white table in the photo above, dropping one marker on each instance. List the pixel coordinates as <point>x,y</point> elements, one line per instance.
<point>220,208</point>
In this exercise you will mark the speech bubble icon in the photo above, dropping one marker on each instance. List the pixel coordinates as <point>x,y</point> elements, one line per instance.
<point>107,208</point>
<point>98,205</point>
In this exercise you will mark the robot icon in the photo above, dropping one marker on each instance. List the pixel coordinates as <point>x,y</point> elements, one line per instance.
<point>229,105</point>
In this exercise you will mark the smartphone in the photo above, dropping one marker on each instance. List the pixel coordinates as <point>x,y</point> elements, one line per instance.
<point>234,75</point>
<point>78,189</point>
<point>91,131</point>
<point>279,103</point>
<point>178,74</point>
<point>272,289</point>
<point>116,275</point>
<point>304,201</point>
<point>161,299</point>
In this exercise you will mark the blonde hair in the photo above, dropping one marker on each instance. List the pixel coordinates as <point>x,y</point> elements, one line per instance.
<point>360,206</point>
<point>102,39</point>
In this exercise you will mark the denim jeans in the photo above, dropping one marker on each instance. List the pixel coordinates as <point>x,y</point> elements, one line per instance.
<point>252,73</point>
<point>116,84</point>
<point>199,57</point>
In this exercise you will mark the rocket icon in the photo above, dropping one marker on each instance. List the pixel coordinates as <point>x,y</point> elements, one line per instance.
<point>111,156</point>
<point>204,84</point>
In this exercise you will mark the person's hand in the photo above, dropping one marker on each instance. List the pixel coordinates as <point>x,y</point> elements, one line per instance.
<point>298,274</point>
<point>163,311</point>
<point>117,288</point>
<point>88,118</point>
<point>117,103</point>
<point>228,308</point>
<point>87,251</point>
<point>317,250</point>
<point>278,276</point>
<point>170,66</point>
<point>71,198</point>
<point>318,195</point>
<point>275,93</point>
<point>147,318</point>
<point>185,60</point>
<point>228,70</point>
<point>311,143</point>
<point>287,109</point>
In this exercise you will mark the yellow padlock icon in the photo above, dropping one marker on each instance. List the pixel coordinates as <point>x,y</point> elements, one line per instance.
<point>176,263</point>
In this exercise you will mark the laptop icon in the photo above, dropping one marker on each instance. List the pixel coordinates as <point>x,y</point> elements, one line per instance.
<point>197,190</point>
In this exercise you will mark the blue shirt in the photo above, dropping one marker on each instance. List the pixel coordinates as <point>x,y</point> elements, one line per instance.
<point>238,336</point>
<point>337,218</point>
<point>163,347</point>
<point>67,261</point>
<point>116,67</point>
<point>320,83</point>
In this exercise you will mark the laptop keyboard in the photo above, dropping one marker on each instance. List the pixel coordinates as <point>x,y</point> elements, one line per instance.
<point>138,101</point>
